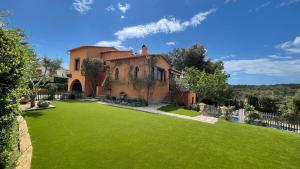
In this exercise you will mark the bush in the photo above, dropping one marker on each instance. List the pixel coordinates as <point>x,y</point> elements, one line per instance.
<point>108,97</point>
<point>72,96</point>
<point>138,102</point>
<point>43,104</point>
<point>15,60</point>
<point>228,112</point>
<point>195,107</point>
<point>52,89</point>
<point>123,96</point>
<point>253,116</point>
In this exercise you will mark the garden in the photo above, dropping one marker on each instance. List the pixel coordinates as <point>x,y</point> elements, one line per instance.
<point>92,135</point>
<point>85,134</point>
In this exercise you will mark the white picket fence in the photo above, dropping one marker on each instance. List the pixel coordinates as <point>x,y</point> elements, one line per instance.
<point>273,121</point>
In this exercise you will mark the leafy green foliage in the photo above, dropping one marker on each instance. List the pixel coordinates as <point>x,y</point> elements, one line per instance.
<point>195,56</point>
<point>91,69</point>
<point>38,79</point>
<point>208,86</point>
<point>108,83</point>
<point>148,81</point>
<point>293,115</point>
<point>52,89</point>
<point>277,99</point>
<point>228,113</point>
<point>15,56</point>
<point>264,104</point>
<point>251,113</point>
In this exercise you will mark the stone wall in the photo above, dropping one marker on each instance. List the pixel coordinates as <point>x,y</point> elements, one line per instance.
<point>209,110</point>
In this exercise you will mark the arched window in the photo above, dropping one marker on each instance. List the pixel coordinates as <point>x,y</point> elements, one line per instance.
<point>136,72</point>
<point>117,74</point>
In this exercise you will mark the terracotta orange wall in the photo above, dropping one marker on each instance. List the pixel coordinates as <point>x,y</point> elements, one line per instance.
<point>95,52</point>
<point>116,55</point>
<point>159,91</point>
<point>186,98</point>
<point>82,53</point>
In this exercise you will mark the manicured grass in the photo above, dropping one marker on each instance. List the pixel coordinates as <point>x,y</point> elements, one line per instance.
<point>93,136</point>
<point>176,110</point>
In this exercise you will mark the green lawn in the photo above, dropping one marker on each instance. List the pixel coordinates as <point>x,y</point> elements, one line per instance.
<point>176,110</point>
<point>93,136</point>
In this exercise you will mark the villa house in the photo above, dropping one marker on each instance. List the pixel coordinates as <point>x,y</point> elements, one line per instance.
<point>144,75</point>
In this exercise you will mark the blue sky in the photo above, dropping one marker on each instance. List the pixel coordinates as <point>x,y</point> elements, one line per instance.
<point>258,40</point>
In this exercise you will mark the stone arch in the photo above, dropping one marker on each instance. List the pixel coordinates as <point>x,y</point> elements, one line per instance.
<point>76,86</point>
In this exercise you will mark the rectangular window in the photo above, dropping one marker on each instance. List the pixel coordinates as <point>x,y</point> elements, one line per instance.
<point>160,74</point>
<point>77,64</point>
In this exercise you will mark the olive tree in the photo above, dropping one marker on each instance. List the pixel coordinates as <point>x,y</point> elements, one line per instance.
<point>37,78</point>
<point>91,69</point>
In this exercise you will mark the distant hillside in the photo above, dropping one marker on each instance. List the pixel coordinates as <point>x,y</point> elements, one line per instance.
<point>281,91</point>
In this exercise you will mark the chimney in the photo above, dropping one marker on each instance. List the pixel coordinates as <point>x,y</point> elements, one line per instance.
<point>144,50</point>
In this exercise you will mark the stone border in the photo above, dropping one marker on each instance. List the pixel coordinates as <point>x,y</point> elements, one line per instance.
<point>25,146</point>
<point>40,108</point>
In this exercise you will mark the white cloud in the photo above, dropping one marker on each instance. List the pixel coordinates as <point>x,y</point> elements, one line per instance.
<point>123,7</point>
<point>82,6</point>
<point>110,8</point>
<point>291,46</point>
<point>264,66</point>
<point>116,43</point>
<point>279,57</point>
<point>288,2</point>
<point>228,1</point>
<point>164,25</point>
<point>264,5</point>
<point>227,57</point>
<point>122,16</point>
<point>170,43</point>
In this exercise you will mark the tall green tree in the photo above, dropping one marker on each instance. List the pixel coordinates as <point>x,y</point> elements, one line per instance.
<point>15,58</point>
<point>208,86</point>
<point>91,69</point>
<point>293,114</point>
<point>195,56</point>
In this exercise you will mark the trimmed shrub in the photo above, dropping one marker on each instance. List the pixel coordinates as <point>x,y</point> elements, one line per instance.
<point>43,104</point>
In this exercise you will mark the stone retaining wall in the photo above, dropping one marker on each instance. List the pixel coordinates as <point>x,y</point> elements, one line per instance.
<point>25,146</point>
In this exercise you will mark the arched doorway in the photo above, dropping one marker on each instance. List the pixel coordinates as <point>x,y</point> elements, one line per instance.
<point>76,86</point>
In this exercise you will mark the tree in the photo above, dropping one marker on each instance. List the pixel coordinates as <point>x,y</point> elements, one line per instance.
<point>15,59</point>
<point>293,114</point>
<point>91,69</point>
<point>37,78</point>
<point>208,86</point>
<point>195,56</point>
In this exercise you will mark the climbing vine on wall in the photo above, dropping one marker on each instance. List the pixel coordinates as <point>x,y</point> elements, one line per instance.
<point>148,81</point>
